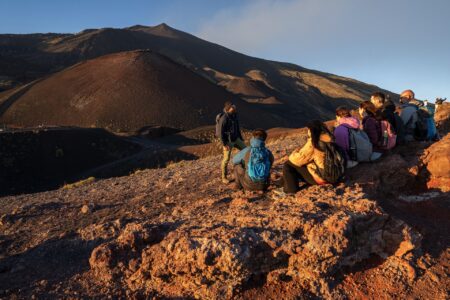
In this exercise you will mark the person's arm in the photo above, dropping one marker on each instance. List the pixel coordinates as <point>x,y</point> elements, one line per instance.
<point>370,127</point>
<point>302,156</point>
<point>239,128</point>
<point>341,137</point>
<point>271,158</point>
<point>239,157</point>
<point>406,114</point>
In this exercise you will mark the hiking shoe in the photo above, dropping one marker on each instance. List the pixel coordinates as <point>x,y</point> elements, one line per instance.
<point>351,164</point>
<point>279,194</point>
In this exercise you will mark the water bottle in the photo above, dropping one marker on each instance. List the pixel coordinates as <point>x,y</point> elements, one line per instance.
<point>385,138</point>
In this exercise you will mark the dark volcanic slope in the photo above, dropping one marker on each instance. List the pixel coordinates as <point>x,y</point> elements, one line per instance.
<point>126,91</point>
<point>293,93</point>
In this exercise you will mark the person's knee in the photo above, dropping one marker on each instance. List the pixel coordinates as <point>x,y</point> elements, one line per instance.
<point>288,168</point>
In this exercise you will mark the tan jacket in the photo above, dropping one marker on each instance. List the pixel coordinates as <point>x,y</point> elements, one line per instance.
<point>311,157</point>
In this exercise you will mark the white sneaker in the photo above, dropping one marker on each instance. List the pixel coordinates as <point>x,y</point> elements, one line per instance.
<point>351,164</point>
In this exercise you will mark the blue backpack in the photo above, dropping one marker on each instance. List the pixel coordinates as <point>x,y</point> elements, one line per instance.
<point>258,168</point>
<point>432,131</point>
<point>425,129</point>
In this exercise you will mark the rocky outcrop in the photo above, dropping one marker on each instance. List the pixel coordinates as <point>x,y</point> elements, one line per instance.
<point>304,239</point>
<point>442,117</point>
<point>437,163</point>
<point>177,232</point>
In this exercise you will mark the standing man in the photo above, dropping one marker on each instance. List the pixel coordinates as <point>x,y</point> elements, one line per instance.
<point>229,132</point>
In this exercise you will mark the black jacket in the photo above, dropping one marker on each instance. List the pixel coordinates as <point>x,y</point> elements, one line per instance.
<point>229,128</point>
<point>388,113</point>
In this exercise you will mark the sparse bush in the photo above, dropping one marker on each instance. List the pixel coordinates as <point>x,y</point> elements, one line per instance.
<point>79,183</point>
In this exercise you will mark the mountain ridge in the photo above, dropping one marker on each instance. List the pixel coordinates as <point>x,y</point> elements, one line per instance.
<point>289,92</point>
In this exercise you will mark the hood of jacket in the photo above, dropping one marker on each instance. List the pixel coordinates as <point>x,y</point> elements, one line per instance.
<point>254,142</point>
<point>350,122</point>
<point>389,106</point>
<point>405,105</point>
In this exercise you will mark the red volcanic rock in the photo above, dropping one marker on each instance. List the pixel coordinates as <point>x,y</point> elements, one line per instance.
<point>442,118</point>
<point>437,162</point>
<point>308,238</point>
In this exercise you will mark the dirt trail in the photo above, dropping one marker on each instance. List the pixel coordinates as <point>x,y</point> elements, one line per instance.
<point>6,102</point>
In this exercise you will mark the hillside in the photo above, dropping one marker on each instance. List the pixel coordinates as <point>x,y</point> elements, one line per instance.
<point>125,92</point>
<point>178,233</point>
<point>292,93</point>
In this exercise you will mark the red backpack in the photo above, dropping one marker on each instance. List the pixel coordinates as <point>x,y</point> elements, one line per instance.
<point>388,136</point>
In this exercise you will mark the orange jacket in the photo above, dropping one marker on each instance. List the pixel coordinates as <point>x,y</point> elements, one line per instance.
<point>311,157</point>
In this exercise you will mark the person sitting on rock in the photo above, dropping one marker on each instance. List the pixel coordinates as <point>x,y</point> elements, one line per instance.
<point>344,122</point>
<point>386,110</point>
<point>252,164</point>
<point>371,126</point>
<point>408,113</point>
<point>229,132</point>
<point>319,161</point>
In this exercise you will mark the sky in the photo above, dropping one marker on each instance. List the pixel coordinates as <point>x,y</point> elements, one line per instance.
<point>395,44</point>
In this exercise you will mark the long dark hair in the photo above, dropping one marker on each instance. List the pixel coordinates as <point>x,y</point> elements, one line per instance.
<point>316,128</point>
<point>369,108</point>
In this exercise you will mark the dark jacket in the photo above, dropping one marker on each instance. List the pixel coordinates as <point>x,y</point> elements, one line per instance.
<point>409,117</point>
<point>387,112</point>
<point>341,133</point>
<point>230,130</point>
<point>244,155</point>
<point>372,127</point>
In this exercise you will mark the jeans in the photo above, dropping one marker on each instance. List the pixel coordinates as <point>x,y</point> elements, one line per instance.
<point>239,144</point>
<point>293,174</point>
<point>243,181</point>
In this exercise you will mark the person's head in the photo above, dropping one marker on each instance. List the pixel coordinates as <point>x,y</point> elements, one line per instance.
<point>315,129</point>
<point>342,112</point>
<point>367,109</point>
<point>378,99</point>
<point>229,107</point>
<point>406,96</point>
<point>260,134</point>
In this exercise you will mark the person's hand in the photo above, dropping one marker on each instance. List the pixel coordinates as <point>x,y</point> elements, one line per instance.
<point>226,148</point>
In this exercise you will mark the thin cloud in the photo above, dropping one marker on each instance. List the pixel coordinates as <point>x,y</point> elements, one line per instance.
<point>356,38</point>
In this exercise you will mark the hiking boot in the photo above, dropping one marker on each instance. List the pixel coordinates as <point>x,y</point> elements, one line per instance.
<point>280,194</point>
<point>225,181</point>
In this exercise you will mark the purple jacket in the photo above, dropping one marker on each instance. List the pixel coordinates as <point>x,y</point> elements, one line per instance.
<point>372,127</point>
<point>341,132</point>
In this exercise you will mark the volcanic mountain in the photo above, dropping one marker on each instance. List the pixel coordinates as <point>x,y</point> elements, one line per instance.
<point>291,93</point>
<point>126,91</point>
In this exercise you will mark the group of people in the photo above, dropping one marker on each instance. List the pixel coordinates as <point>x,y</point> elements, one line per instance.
<point>377,127</point>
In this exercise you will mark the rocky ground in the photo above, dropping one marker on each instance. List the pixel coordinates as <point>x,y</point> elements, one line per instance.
<point>178,232</point>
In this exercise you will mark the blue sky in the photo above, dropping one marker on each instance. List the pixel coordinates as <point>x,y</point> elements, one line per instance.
<point>395,44</point>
